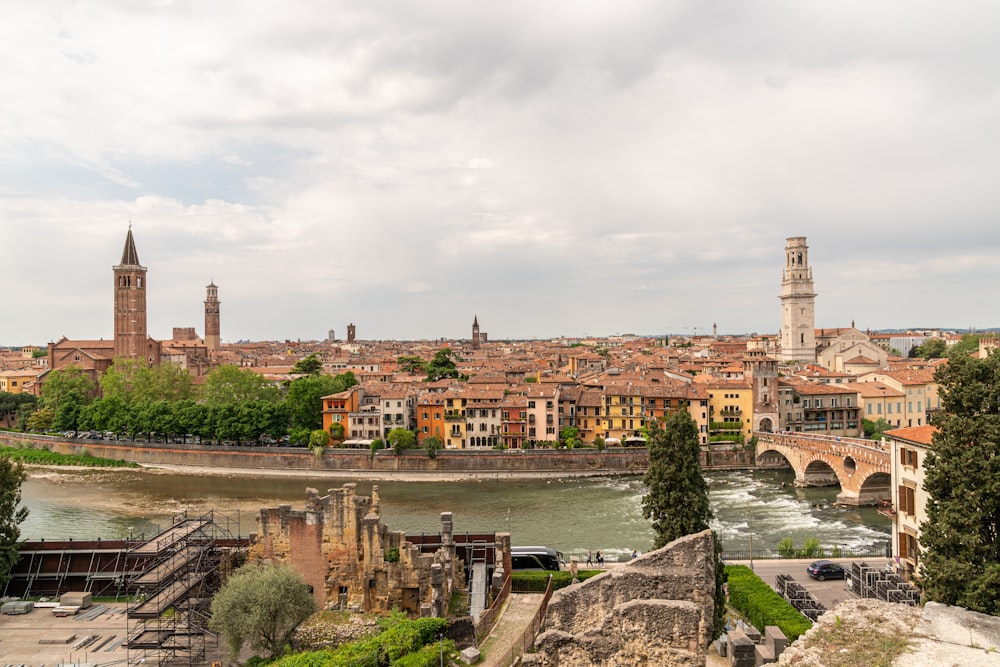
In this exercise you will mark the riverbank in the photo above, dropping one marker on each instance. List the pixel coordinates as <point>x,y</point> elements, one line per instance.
<point>382,465</point>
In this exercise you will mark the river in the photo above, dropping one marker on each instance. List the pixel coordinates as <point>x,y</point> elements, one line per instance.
<point>573,515</point>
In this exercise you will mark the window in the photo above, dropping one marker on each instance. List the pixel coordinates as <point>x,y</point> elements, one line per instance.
<point>833,402</point>
<point>868,408</point>
<point>908,457</point>
<point>880,408</point>
<point>907,502</point>
<point>805,403</point>
<point>531,404</point>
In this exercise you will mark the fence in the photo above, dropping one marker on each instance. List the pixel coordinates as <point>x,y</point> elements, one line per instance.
<point>488,618</point>
<point>527,639</point>
<point>876,551</point>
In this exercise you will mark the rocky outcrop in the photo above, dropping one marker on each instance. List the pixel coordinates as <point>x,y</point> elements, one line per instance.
<point>656,610</point>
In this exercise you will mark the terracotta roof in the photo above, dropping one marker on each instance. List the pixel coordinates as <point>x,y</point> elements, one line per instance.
<point>921,435</point>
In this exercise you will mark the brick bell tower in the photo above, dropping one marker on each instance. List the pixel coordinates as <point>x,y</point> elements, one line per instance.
<point>798,304</point>
<point>212,321</point>
<point>130,303</point>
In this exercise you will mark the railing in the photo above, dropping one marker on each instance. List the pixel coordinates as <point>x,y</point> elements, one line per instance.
<point>875,551</point>
<point>488,618</point>
<point>527,639</point>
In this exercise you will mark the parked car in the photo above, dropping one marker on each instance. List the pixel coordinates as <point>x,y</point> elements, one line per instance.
<point>822,570</point>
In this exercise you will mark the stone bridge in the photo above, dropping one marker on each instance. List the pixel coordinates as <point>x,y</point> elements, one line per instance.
<point>860,467</point>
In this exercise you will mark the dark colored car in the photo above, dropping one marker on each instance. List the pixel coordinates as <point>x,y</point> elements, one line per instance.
<point>538,559</point>
<point>822,570</point>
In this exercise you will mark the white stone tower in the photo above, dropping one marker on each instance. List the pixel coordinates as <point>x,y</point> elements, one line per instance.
<point>798,304</point>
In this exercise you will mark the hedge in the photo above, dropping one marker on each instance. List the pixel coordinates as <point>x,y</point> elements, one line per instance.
<point>535,582</point>
<point>761,605</point>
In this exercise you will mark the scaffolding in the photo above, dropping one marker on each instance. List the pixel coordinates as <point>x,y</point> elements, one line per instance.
<point>184,565</point>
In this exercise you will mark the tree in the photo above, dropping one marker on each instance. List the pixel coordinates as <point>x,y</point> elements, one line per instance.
<point>932,348</point>
<point>311,365</point>
<point>441,366</point>
<point>319,439</point>
<point>570,436</point>
<point>64,382</point>
<point>969,343</point>
<point>961,537</point>
<point>411,364</point>
<point>874,429</point>
<point>432,444</point>
<point>261,605</point>
<point>677,497</point>
<point>12,475</point>
<point>229,384</point>
<point>401,439</point>
<point>337,431</point>
<point>305,398</point>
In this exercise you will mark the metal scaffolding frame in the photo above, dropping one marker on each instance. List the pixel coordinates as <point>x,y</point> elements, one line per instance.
<point>167,621</point>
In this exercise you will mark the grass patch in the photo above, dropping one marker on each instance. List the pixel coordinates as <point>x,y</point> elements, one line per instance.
<point>33,456</point>
<point>535,582</point>
<point>845,646</point>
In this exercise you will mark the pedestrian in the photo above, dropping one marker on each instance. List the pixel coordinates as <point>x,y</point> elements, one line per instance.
<point>635,554</point>
<point>590,558</point>
<point>600,559</point>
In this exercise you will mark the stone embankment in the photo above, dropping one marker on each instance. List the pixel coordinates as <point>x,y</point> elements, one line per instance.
<point>413,465</point>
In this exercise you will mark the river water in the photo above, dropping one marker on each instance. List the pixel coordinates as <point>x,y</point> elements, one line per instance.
<point>573,515</point>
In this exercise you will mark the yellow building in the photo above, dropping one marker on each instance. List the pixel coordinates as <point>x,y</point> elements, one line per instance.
<point>730,409</point>
<point>13,382</point>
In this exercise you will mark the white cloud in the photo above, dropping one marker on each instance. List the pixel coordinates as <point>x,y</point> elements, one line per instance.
<point>554,168</point>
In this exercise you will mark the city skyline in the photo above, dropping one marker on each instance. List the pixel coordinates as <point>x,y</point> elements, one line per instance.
<point>556,171</point>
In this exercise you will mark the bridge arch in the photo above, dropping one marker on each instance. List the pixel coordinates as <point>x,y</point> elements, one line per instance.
<point>877,486</point>
<point>860,467</point>
<point>819,473</point>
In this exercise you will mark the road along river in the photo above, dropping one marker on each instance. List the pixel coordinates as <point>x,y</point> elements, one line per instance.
<point>573,515</point>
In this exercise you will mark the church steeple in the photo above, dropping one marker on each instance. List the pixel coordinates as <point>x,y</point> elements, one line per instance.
<point>475,332</point>
<point>129,255</point>
<point>130,304</point>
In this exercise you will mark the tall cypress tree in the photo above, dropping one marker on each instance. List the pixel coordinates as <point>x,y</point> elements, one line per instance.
<point>960,541</point>
<point>677,497</point>
<point>12,514</point>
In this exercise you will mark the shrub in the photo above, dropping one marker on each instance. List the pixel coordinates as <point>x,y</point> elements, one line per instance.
<point>536,582</point>
<point>761,605</point>
<point>786,548</point>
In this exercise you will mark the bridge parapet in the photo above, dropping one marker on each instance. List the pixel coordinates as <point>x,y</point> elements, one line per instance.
<point>861,467</point>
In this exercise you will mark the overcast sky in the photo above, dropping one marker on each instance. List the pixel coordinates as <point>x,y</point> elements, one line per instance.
<point>556,168</point>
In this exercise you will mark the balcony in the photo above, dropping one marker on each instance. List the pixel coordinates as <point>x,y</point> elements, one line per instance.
<point>454,416</point>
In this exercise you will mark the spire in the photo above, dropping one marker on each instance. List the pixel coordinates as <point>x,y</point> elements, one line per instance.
<point>129,256</point>
<point>475,320</point>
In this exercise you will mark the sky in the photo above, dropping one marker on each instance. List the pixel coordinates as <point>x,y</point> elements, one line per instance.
<point>556,169</point>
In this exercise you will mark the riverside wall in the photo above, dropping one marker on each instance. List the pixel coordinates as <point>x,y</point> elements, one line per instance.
<point>361,464</point>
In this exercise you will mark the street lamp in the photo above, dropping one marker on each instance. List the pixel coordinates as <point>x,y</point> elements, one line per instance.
<point>750,526</point>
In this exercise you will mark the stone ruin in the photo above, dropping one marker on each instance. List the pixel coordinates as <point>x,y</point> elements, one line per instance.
<point>656,610</point>
<point>340,546</point>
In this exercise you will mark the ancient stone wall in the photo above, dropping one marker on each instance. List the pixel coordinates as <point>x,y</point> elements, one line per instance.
<point>656,610</point>
<point>340,546</point>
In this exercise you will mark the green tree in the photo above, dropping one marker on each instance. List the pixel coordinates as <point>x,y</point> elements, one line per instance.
<point>10,404</point>
<point>311,365</point>
<point>229,384</point>
<point>64,382</point>
<point>932,348</point>
<point>411,364</point>
<point>874,429</point>
<point>570,436</point>
<point>401,439</point>
<point>968,344</point>
<point>441,366</point>
<point>305,398</point>
<point>260,606</point>
<point>319,439</point>
<point>40,420</point>
<point>12,475</point>
<point>677,496</point>
<point>432,444</point>
<point>961,537</point>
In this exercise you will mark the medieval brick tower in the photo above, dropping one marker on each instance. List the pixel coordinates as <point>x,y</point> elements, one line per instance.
<point>798,304</point>
<point>475,332</point>
<point>762,371</point>
<point>212,341</point>
<point>130,303</point>
<point>351,332</point>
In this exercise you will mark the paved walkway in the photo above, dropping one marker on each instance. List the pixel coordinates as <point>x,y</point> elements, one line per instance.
<point>515,619</point>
